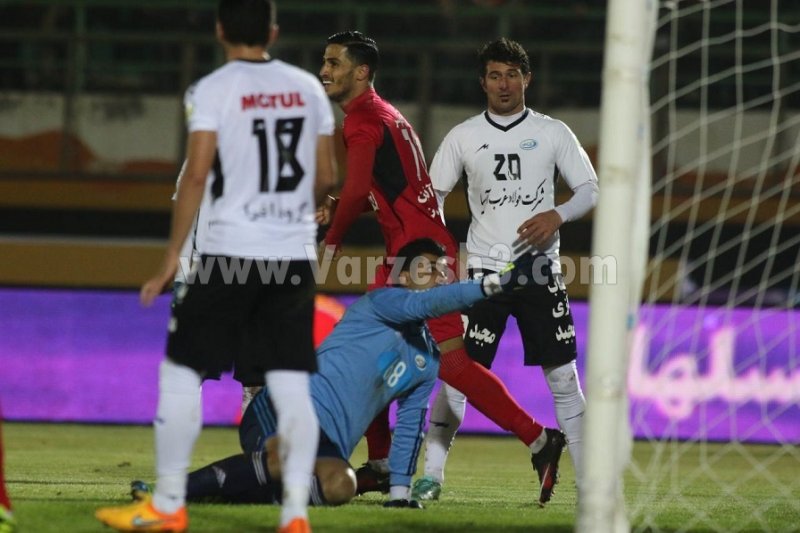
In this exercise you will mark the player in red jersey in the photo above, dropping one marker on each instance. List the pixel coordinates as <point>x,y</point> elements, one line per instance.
<point>386,169</point>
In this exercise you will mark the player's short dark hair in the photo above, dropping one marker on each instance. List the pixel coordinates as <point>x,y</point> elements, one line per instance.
<point>361,50</point>
<point>246,22</point>
<point>503,51</point>
<point>417,248</point>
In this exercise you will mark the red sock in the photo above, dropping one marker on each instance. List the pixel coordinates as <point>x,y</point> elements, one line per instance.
<point>488,394</point>
<point>379,438</point>
<point>4,501</point>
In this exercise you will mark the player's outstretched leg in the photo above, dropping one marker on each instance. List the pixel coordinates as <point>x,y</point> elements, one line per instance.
<point>545,463</point>
<point>488,394</point>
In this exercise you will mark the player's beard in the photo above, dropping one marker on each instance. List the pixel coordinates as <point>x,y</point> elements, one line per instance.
<point>341,87</point>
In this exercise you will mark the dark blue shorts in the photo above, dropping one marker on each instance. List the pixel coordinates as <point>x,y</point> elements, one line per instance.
<point>259,423</point>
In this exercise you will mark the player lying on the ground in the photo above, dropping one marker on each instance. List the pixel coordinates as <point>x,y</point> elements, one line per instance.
<point>380,351</point>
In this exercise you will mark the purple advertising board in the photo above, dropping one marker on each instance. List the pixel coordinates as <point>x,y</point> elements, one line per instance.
<point>720,374</point>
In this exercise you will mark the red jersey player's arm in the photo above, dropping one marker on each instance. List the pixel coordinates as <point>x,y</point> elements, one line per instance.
<point>326,168</point>
<point>354,198</point>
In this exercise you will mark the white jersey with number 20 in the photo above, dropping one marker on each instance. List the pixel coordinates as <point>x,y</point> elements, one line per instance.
<point>510,176</point>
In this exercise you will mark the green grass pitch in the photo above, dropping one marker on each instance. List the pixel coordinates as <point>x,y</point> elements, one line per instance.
<point>58,474</point>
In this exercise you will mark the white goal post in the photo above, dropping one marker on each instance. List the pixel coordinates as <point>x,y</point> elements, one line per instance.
<point>695,349</point>
<point>620,231</point>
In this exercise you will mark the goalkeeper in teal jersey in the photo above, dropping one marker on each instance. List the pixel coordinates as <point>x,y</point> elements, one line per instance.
<point>379,352</point>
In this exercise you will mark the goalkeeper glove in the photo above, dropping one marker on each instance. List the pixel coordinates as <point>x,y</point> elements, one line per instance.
<point>517,274</point>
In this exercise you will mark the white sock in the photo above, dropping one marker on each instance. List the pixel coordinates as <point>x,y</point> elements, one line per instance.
<point>446,416</point>
<point>539,442</point>
<point>570,405</point>
<point>399,492</point>
<point>298,429</point>
<point>177,426</point>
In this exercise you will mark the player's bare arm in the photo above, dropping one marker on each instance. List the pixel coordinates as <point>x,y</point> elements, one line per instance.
<point>539,229</point>
<point>202,147</point>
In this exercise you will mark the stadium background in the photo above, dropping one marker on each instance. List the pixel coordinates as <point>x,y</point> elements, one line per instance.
<point>92,135</point>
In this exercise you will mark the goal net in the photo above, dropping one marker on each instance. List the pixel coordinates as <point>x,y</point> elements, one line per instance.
<point>713,346</point>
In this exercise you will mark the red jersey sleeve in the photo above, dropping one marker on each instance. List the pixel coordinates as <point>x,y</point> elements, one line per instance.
<point>362,141</point>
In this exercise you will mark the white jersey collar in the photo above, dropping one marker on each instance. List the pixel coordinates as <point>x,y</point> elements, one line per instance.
<point>505,122</point>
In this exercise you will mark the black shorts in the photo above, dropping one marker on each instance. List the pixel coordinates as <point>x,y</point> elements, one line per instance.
<point>544,320</point>
<point>254,434</point>
<point>248,324</point>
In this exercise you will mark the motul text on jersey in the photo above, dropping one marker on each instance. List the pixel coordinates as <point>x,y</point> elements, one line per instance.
<point>272,100</point>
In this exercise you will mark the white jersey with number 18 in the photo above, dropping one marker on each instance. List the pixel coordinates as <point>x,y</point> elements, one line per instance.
<point>510,175</point>
<point>260,195</point>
